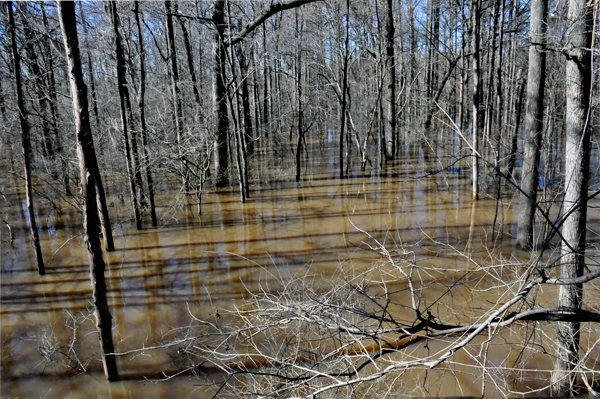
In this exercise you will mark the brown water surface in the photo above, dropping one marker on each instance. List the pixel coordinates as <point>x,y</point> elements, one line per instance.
<point>203,264</point>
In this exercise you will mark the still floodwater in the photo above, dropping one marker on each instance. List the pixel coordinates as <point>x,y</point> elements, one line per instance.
<point>203,264</point>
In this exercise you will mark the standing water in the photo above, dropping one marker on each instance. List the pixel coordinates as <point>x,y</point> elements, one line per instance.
<point>201,267</point>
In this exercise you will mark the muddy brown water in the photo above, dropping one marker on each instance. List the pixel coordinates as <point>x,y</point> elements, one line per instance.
<point>202,264</point>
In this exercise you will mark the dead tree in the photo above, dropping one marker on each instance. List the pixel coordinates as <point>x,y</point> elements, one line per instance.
<point>27,152</point>
<point>133,171</point>
<point>88,167</point>
<point>534,116</point>
<point>142,107</point>
<point>577,165</point>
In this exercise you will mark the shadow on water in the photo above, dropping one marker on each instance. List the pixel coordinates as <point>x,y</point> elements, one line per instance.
<point>285,230</point>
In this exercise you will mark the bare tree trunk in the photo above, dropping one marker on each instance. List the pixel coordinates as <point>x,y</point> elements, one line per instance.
<point>577,166</point>
<point>90,71</point>
<point>41,98</point>
<point>35,236</point>
<point>299,99</point>
<point>176,92</point>
<point>141,104</point>
<point>246,115</point>
<point>109,244</point>
<point>126,114</point>
<point>266,93</point>
<point>534,117</point>
<point>344,93</point>
<point>190,58</point>
<point>512,158</point>
<point>220,95</point>
<point>51,88</point>
<point>476,17</point>
<point>390,62</point>
<point>87,163</point>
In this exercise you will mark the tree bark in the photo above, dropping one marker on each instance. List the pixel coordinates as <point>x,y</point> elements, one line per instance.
<point>27,152</point>
<point>126,115</point>
<point>512,158</point>
<point>106,227</point>
<point>534,117</point>
<point>390,62</point>
<point>176,92</point>
<point>476,17</point>
<point>220,96</point>
<point>577,166</point>
<point>142,107</point>
<point>88,166</point>
<point>51,89</point>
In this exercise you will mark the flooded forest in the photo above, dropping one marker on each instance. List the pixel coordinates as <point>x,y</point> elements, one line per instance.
<point>300,199</point>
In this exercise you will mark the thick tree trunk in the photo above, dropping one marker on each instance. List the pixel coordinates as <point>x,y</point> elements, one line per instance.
<point>577,169</point>
<point>220,96</point>
<point>100,194</point>
<point>126,115</point>
<point>142,107</point>
<point>534,117</point>
<point>88,166</point>
<point>35,236</point>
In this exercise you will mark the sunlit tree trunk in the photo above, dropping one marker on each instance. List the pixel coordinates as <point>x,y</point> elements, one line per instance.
<point>577,170</point>
<point>142,107</point>
<point>126,115</point>
<point>534,116</point>
<point>100,194</point>
<point>88,166</point>
<point>27,152</point>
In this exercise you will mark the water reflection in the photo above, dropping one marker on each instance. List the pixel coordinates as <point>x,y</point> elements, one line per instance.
<point>214,261</point>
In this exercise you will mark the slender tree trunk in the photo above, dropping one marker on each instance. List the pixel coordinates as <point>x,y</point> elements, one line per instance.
<point>51,90</point>
<point>190,58</point>
<point>246,115</point>
<point>90,71</point>
<point>126,114</point>
<point>512,158</point>
<point>142,106</point>
<point>27,152</point>
<point>266,93</point>
<point>299,99</point>
<point>42,99</point>
<point>87,163</point>
<point>577,166</point>
<point>534,116</point>
<point>220,95</point>
<point>176,92</point>
<point>390,61</point>
<point>476,17</point>
<point>344,92</point>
